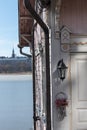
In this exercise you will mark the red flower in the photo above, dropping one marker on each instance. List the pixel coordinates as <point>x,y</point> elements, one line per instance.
<point>61,102</point>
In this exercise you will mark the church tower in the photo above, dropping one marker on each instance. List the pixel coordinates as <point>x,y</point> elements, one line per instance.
<point>13,53</point>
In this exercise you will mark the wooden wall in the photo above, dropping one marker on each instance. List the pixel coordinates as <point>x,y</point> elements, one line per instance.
<point>74,15</point>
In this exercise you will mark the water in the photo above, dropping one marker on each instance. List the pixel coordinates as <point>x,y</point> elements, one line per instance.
<point>16,105</point>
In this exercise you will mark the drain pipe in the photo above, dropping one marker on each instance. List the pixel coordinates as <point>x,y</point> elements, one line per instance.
<point>21,51</point>
<point>34,93</point>
<point>46,32</point>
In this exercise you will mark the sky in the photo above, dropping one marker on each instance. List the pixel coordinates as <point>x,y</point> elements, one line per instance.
<point>9,27</point>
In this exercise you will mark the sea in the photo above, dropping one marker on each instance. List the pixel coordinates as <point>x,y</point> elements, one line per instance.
<point>16,102</point>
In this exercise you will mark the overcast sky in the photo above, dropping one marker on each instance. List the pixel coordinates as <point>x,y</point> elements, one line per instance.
<point>8,27</point>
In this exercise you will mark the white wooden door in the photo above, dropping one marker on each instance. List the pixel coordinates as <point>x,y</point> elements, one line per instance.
<point>79,91</point>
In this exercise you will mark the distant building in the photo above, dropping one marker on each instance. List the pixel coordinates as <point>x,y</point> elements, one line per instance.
<point>13,53</point>
<point>15,64</point>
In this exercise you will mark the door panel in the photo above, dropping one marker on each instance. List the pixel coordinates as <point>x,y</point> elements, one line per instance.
<point>79,91</point>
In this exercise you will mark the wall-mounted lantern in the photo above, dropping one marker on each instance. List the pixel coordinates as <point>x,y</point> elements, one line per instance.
<point>61,68</point>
